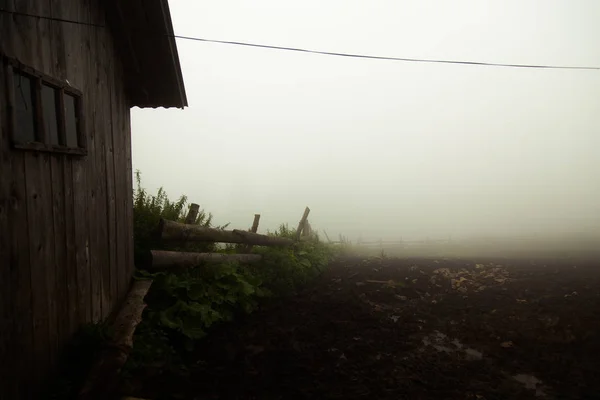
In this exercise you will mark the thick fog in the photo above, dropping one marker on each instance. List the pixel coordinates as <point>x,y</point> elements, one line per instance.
<point>383,149</point>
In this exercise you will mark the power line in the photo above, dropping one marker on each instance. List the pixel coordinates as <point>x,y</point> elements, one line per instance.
<point>326,53</point>
<point>421,60</point>
<point>68,21</point>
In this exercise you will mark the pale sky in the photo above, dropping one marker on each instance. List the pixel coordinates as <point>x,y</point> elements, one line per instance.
<point>377,148</point>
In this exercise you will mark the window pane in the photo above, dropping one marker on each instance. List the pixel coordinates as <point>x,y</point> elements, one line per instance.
<point>71,120</point>
<point>49,107</point>
<point>24,114</point>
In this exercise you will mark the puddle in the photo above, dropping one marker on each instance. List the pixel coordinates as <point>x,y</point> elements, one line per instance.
<point>442,343</point>
<point>532,383</point>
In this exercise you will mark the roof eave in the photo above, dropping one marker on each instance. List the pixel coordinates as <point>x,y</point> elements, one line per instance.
<point>144,35</point>
<point>174,55</point>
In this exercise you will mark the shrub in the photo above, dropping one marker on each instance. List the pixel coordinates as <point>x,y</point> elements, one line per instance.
<point>183,306</point>
<point>147,212</point>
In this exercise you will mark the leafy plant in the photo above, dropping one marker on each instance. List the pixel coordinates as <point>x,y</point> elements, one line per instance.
<point>147,212</point>
<point>184,306</point>
<point>192,301</point>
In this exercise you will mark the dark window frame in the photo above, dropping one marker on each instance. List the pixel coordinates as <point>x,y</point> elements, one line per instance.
<point>42,139</point>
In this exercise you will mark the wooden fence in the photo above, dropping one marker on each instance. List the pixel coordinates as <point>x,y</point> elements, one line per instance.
<point>179,233</point>
<point>104,374</point>
<point>381,243</point>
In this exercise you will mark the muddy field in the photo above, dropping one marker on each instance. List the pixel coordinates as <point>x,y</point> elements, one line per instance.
<point>412,329</point>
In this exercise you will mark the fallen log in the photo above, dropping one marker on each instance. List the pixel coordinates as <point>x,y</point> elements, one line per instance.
<point>177,259</point>
<point>104,374</point>
<point>175,231</point>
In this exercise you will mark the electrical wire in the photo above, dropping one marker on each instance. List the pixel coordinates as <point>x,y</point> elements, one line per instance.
<point>326,53</point>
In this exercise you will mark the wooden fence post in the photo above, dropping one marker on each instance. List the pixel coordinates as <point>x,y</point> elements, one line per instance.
<point>327,236</point>
<point>302,223</point>
<point>255,223</point>
<point>192,213</point>
<point>253,229</point>
<point>307,229</point>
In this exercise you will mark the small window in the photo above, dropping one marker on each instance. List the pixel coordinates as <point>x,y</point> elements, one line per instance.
<point>71,120</point>
<point>46,113</point>
<point>49,95</point>
<point>24,115</point>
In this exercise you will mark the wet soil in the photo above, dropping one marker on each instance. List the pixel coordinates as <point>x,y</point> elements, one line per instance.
<point>411,329</point>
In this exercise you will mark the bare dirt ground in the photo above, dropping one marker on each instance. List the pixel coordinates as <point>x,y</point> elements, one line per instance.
<point>412,329</point>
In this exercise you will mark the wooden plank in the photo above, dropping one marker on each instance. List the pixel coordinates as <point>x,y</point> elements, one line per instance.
<point>129,262</point>
<point>91,94</point>
<point>20,277</point>
<point>41,257</point>
<point>81,224</point>
<point>41,220</point>
<point>177,259</point>
<point>113,79</point>
<point>67,287</point>
<point>123,174</point>
<point>111,217</point>
<point>48,148</point>
<point>79,60</point>
<point>7,290</point>
<point>120,136</point>
<point>72,310</point>
<point>74,220</point>
<point>122,180</point>
<point>14,43</point>
<point>57,279</point>
<point>104,374</point>
<point>60,249</point>
<point>97,95</point>
<point>122,167</point>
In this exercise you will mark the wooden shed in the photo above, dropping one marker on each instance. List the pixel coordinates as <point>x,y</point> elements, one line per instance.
<point>70,71</point>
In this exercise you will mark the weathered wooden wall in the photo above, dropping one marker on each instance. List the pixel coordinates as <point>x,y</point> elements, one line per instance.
<point>65,222</point>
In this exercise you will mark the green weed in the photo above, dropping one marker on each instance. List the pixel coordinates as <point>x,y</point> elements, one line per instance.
<point>184,306</point>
